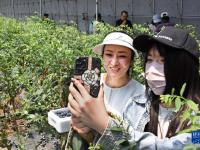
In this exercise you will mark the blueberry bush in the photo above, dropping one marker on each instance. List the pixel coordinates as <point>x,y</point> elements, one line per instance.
<point>36,64</point>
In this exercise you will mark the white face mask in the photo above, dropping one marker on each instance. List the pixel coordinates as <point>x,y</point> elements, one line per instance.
<point>154,74</point>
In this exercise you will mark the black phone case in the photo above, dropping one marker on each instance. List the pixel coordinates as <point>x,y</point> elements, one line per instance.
<point>88,70</point>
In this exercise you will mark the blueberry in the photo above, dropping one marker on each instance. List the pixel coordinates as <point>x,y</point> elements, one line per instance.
<point>63,114</point>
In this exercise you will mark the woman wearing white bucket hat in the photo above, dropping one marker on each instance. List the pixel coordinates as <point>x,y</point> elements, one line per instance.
<point>120,91</point>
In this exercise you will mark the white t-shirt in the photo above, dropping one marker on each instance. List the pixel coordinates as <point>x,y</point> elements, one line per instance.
<point>164,119</point>
<point>116,98</point>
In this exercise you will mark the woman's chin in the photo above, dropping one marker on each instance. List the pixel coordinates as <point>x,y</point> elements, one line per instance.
<point>115,75</point>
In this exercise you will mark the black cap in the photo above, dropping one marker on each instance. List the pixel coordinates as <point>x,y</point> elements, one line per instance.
<point>170,36</point>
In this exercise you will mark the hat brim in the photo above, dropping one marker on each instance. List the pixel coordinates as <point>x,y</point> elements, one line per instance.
<point>99,48</point>
<point>142,43</point>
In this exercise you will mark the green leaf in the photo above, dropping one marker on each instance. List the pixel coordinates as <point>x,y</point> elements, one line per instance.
<point>193,128</point>
<point>120,142</point>
<point>25,112</point>
<point>195,119</point>
<point>178,103</point>
<point>173,90</point>
<point>186,115</point>
<point>39,91</point>
<point>78,143</point>
<point>182,89</point>
<point>192,105</point>
<point>117,129</point>
<point>166,99</point>
<point>31,116</point>
<point>191,147</point>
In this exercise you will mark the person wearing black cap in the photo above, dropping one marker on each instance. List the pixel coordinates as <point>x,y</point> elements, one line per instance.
<point>171,59</point>
<point>165,22</point>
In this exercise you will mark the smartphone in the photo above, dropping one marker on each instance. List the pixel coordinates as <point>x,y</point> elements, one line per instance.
<point>87,71</point>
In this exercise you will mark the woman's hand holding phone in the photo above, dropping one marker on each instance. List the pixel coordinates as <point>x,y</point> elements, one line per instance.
<point>91,112</point>
<point>75,121</point>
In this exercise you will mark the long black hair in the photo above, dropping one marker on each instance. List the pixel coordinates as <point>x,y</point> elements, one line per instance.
<point>180,67</point>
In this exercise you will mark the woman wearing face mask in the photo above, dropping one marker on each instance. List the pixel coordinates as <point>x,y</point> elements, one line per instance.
<point>172,59</point>
<point>118,54</point>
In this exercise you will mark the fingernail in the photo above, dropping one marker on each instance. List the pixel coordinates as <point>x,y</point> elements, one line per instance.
<point>73,80</point>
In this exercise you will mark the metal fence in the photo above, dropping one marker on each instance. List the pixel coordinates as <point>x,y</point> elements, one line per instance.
<point>82,11</point>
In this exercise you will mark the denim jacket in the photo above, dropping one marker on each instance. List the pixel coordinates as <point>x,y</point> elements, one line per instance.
<point>135,117</point>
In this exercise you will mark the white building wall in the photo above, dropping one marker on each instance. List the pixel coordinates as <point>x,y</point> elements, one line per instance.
<point>82,11</point>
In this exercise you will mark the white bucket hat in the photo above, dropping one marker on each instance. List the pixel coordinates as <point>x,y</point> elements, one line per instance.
<point>116,38</point>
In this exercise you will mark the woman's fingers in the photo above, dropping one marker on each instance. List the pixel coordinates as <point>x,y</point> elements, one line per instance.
<point>73,111</point>
<point>76,120</point>
<point>94,115</point>
<point>73,103</point>
<point>81,130</point>
<point>90,112</point>
<point>81,88</point>
<point>76,95</point>
<point>78,124</point>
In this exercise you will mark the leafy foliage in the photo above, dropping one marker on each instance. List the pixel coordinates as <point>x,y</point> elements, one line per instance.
<point>36,64</point>
<point>192,113</point>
